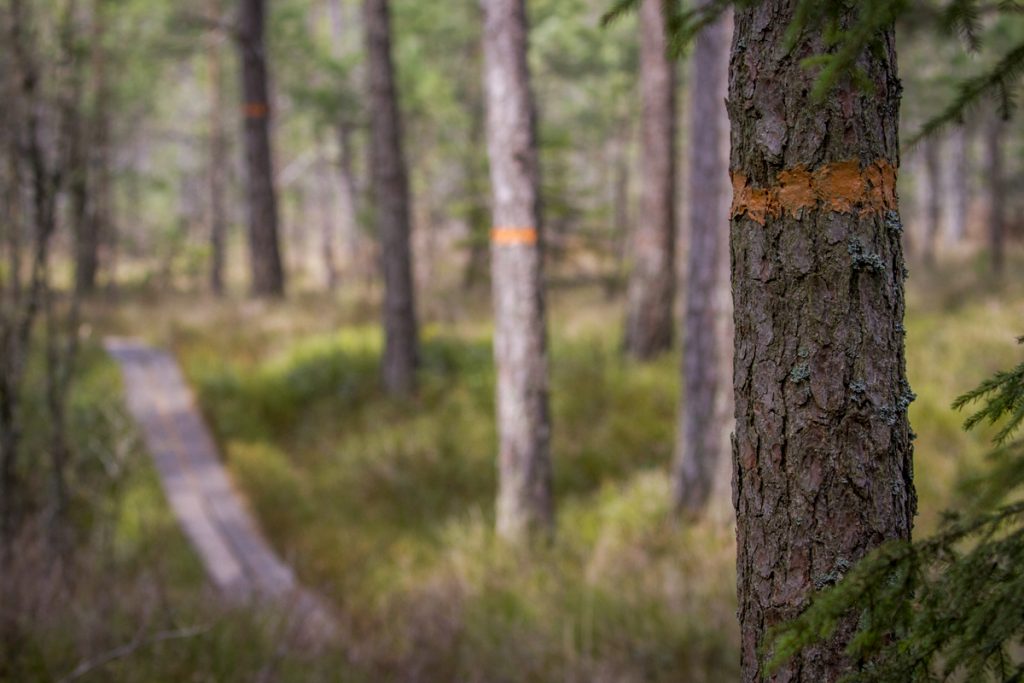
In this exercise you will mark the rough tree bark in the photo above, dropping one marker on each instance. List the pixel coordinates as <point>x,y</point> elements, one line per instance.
<point>959,184</point>
<point>822,452</point>
<point>267,271</point>
<point>218,162</point>
<point>932,199</point>
<point>524,506</point>
<point>651,289</point>
<point>391,205</point>
<point>995,138</point>
<point>702,450</point>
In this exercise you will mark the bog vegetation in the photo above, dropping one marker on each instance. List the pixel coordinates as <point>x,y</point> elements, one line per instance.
<point>457,312</point>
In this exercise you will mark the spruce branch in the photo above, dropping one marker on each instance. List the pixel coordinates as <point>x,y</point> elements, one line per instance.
<point>998,83</point>
<point>618,10</point>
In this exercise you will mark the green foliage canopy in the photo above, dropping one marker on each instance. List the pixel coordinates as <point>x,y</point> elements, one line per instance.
<point>846,41</point>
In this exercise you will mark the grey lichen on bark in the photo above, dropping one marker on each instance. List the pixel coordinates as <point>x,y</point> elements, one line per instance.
<point>823,452</point>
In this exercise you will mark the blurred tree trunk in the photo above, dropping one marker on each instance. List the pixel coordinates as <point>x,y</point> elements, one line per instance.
<point>85,247</point>
<point>391,204</point>
<point>348,195</point>
<point>264,247</point>
<point>524,505</point>
<point>31,130</point>
<point>651,289</point>
<point>61,331</point>
<point>327,231</point>
<point>932,199</point>
<point>702,450</point>
<point>478,214</point>
<point>474,168</point>
<point>995,138</point>
<point>218,162</point>
<point>347,191</point>
<point>295,229</point>
<point>99,225</point>
<point>822,452</point>
<point>620,213</point>
<point>959,185</point>
<point>95,180</point>
<point>12,291</point>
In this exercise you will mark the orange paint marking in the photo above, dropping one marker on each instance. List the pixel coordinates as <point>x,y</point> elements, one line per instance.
<point>509,236</point>
<point>255,110</point>
<point>796,190</point>
<point>841,187</point>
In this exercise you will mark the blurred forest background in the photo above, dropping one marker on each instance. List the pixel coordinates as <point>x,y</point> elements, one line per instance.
<point>123,135</point>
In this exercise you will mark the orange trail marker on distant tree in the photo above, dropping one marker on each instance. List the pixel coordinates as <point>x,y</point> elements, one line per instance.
<point>508,236</point>
<point>255,110</point>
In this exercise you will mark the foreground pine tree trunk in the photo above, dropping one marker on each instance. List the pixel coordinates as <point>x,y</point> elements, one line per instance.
<point>822,453</point>
<point>702,451</point>
<point>651,289</point>
<point>391,204</point>
<point>520,346</point>
<point>264,248</point>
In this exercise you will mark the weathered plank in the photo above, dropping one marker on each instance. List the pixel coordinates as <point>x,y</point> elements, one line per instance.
<point>237,559</point>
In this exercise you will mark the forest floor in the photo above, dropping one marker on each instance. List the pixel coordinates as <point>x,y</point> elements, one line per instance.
<point>385,507</point>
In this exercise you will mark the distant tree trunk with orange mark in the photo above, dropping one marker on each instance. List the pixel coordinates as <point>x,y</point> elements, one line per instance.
<point>267,270</point>
<point>524,505</point>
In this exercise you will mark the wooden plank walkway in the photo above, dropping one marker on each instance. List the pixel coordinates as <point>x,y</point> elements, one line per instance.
<point>237,559</point>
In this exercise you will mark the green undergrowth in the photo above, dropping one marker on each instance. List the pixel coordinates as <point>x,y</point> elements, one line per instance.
<point>129,602</point>
<point>962,327</point>
<point>386,506</point>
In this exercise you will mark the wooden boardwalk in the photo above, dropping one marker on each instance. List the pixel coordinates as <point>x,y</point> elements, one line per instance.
<point>237,559</point>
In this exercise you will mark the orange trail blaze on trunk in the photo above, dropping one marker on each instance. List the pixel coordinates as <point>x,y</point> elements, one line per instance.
<point>841,187</point>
